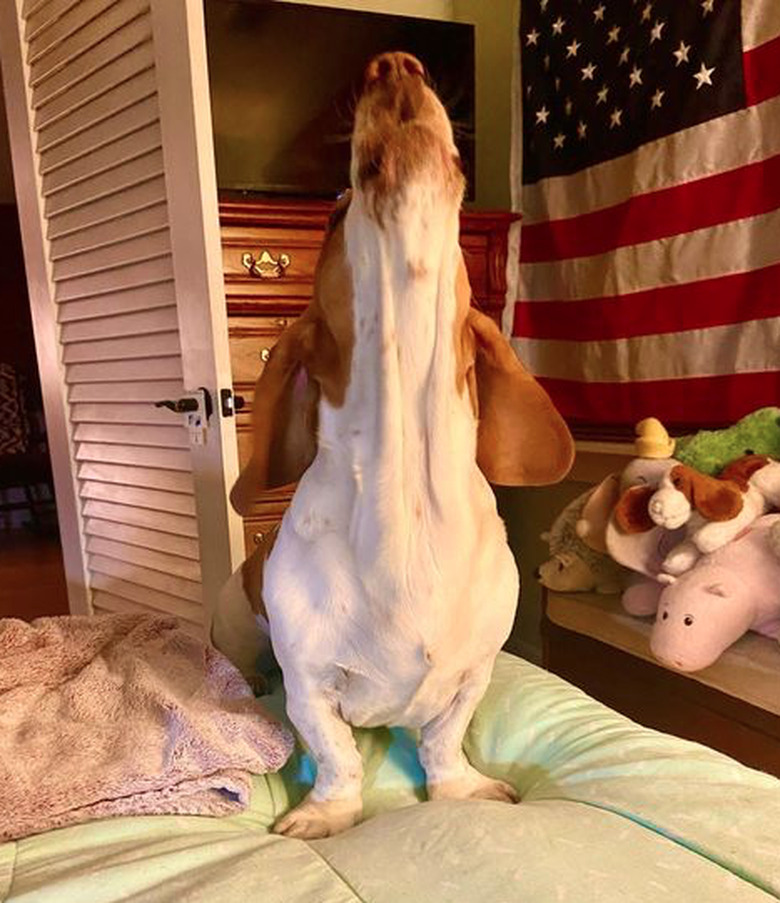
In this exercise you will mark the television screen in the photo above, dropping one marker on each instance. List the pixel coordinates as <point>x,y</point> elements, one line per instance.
<point>285,78</point>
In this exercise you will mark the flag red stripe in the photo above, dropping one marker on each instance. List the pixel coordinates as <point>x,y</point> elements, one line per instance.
<point>761,70</point>
<point>692,401</point>
<point>722,300</point>
<point>736,194</point>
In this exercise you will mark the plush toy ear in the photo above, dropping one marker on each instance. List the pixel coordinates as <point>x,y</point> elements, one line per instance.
<point>741,470</point>
<point>521,439</point>
<point>715,500</point>
<point>592,525</point>
<point>631,511</point>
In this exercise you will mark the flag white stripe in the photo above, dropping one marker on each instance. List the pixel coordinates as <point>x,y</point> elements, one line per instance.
<point>734,247</point>
<point>721,144</point>
<point>715,351</point>
<point>760,22</point>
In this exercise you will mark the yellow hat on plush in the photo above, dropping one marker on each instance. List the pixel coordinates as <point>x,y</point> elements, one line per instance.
<point>652,440</point>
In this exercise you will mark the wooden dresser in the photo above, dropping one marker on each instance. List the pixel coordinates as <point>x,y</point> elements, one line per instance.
<point>269,251</point>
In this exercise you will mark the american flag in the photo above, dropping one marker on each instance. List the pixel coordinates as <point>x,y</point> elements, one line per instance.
<point>649,256</point>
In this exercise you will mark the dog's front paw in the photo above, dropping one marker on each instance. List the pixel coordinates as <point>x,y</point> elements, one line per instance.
<point>319,818</point>
<point>473,786</point>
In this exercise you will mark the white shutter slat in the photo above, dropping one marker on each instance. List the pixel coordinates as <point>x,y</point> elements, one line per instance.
<point>118,434</point>
<point>128,226</point>
<point>134,249</point>
<point>46,13</point>
<point>142,517</point>
<point>172,502</point>
<point>110,131</point>
<point>86,39</point>
<point>119,371</point>
<point>163,583</point>
<point>144,601</point>
<point>124,413</point>
<point>88,88</point>
<point>145,322</point>
<point>144,297</point>
<point>68,23</point>
<point>139,168</point>
<point>155,561</point>
<point>134,456</point>
<point>156,345</point>
<point>105,108</point>
<point>133,275</point>
<point>107,604</point>
<point>146,539</point>
<point>149,477</point>
<point>104,159</point>
<point>161,437</point>
<point>110,48</point>
<point>126,392</point>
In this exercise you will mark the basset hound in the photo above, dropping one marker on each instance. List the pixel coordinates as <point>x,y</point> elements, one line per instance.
<point>389,587</point>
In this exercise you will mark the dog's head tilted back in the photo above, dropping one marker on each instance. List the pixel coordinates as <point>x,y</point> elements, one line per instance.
<point>391,302</point>
<point>403,138</point>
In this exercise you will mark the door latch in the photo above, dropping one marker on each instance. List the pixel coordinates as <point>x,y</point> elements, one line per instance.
<point>196,407</point>
<point>230,403</point>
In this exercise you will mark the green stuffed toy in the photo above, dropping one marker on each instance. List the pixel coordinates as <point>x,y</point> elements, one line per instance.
<point>709,451</point>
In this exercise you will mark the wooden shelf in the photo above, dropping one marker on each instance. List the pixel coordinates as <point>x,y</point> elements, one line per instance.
<point>732,706</point>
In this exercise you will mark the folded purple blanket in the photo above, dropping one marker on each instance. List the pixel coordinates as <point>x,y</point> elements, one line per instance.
<point>123,715</point>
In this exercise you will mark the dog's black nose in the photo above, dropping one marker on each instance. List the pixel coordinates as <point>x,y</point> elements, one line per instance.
<point>538,573</point>
<point>393,65</point>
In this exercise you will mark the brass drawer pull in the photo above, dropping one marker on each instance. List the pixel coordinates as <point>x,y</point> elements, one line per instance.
<point>265,266</point>
<point>258,537</point>
<point>265,353</point>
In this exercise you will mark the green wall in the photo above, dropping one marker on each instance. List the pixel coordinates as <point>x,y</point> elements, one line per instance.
<point>430,9</point>
<point>495,43</point>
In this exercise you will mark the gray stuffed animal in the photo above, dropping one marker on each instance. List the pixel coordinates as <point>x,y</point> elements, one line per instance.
<point>573,566</point>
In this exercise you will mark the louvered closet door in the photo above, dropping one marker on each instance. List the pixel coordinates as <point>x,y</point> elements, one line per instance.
<point>110,238</point>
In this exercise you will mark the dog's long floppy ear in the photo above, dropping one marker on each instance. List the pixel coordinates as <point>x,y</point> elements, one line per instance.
<point>715,499</point>
<point>741,470</point>
<point>311,358</point>
<point>522,440</point>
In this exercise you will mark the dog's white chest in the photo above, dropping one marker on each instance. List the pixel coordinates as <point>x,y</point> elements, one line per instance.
<point>391,579</point>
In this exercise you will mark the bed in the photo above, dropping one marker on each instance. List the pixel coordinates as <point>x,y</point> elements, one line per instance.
<point>611,811</point>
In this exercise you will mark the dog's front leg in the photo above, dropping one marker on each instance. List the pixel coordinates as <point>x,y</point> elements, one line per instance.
<point>449,774</point>
<point>334,803</point>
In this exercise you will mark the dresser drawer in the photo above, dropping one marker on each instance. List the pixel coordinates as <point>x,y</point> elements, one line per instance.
<point>251,340</point>
<point>268,256</point>
<point>255,528</point>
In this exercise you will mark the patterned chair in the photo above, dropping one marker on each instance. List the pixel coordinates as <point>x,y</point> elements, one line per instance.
<point>24,457</point>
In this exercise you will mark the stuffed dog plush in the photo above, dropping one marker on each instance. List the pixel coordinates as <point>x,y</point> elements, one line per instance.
<point>390,587</point>
<point>715,510</point>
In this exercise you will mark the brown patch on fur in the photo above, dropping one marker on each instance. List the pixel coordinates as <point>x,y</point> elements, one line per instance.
<point>715,499</point>
<point>417,269</point>
<point>252,571</point>
<point>631,511</point>
<point>741,470</point>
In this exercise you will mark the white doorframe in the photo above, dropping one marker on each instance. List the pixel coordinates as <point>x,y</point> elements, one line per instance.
<point>190,173</point>
<point>42,306</point>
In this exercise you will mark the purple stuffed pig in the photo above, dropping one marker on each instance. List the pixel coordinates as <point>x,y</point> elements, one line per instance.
<point>728,592</point>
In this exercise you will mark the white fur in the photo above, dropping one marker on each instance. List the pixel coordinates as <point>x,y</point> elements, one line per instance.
<point>391,587</point>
